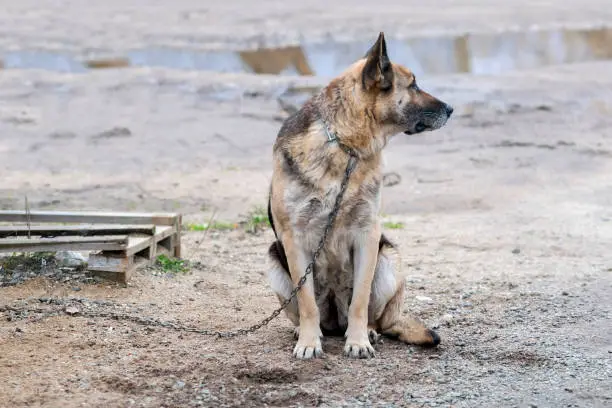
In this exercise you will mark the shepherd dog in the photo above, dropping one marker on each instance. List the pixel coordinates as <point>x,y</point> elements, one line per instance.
<point>356,289</point>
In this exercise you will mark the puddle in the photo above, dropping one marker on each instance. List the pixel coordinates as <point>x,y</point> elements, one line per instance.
<point>490,53</point>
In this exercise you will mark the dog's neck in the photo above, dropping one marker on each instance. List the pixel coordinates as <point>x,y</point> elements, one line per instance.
<point>342,126</point>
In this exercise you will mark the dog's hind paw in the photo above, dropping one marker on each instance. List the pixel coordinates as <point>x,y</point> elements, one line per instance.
<point>374,337</point>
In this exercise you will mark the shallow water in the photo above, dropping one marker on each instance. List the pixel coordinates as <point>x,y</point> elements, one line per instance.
<point>487,53</point>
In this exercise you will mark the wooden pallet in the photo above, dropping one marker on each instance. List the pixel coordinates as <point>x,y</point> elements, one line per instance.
<point>121,242</point>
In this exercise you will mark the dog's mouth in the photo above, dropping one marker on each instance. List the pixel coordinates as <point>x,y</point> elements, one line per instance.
<point>418,128</point>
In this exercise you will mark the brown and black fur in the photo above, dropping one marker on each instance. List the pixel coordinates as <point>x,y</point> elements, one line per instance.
<point>356,288</point>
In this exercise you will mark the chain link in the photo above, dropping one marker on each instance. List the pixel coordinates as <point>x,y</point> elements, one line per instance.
<point>20,312</point>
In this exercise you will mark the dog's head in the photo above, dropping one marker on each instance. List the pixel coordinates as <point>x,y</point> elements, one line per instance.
<point>394,98</point>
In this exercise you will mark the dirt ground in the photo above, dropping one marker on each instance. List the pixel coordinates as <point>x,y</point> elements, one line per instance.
<point>506,213</point>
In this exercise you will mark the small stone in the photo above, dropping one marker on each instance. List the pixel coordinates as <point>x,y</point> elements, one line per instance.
<point>565,293</point>
<point>424,299</point>
<point>178,385</point>
<point>391,179</point>
<point>116,132</point>
<point>72,310</point>
<point>70,259</point>
<point>76,288</point>
<point>447,319</point>
<point>516,251</point>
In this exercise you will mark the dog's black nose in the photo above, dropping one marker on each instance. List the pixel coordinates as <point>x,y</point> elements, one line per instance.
<point>449,110</point>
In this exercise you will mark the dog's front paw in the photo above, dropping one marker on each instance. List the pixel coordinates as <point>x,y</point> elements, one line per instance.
<point>309,342</point>
<point>306,350</point>
<point>359,348</point>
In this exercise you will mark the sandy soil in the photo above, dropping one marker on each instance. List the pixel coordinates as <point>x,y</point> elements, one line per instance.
<point>507,217</point>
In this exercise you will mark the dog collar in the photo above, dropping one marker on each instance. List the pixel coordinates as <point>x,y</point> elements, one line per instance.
<point>331,137</point>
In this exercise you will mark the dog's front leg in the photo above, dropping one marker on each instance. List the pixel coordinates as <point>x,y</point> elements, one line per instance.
<point>309,339</point>
<point>365,256</point>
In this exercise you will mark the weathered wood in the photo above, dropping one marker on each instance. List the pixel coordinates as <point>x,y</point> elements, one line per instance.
<point>178,223</point>
<point>164,232</point>
<point>140,237</point>
<point>109,243</point>
<point>137,244</point>
<point>47,231</point>
<point>109,262</point>
<point>120,276</point>
<point>112,276</point>
<point>89,217</point>
<point>115,265</point>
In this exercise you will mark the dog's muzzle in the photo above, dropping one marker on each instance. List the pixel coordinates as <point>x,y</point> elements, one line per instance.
<point>431,120</point>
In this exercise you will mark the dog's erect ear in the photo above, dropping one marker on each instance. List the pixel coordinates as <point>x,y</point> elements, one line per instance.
<point>377,72</point>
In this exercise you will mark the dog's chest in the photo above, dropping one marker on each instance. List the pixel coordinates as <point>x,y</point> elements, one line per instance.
<point>311,214</point>
<point>357,214</point>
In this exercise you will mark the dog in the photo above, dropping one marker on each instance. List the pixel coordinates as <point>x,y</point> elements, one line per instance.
<point>356,288</point>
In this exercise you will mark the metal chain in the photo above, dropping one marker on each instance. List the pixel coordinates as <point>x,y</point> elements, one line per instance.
<point>147,321</point>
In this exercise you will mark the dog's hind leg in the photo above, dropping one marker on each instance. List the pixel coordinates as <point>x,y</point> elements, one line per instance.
<point>387,299</point>
<point>406,328</point>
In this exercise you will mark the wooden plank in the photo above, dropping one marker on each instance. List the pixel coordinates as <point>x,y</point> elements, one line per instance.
<point>115,266</point>
<point>47,231</point>
<point>113,243</point>
<point>137,244</point>
<point>109,262</point>
<point>178,224</point>
<point>120,277</point>
<point>90,217</point>
<point>163,232</point>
